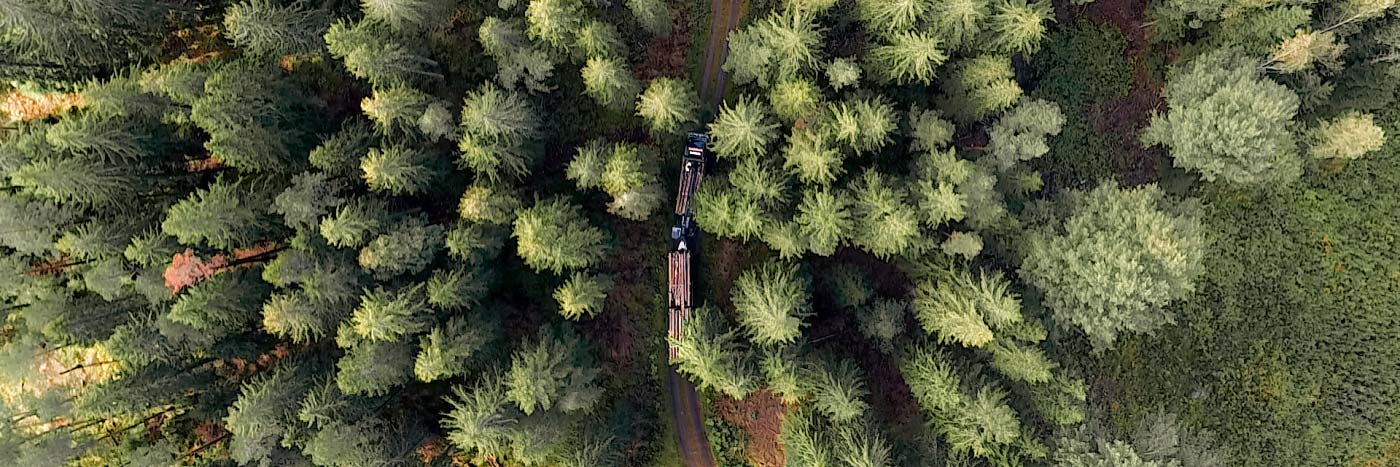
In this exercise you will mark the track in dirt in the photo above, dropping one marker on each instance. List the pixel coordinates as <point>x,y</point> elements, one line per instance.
<point>688,418</point>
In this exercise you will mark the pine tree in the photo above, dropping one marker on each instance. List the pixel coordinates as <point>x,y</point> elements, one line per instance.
<point>395,110</point>
<point>1017,26</point>
<point>885,224</point>
<point>517,60</point>
<point>771,301</point>
<point>1227,121</point>
<point>552,235</point>
<point>652,15</point>
<point>979,88</point>
<point>409,15</point>
<point>270,30</point>
<point>1020,134</point>
<point>742,130</point>
<point>311,196</point>
<point>599,39</point>
<point>482,419</point>
<point>838,391</point>
<point>375,368</point>
<point>221,216</point>
<point>223,304</point>
<point>446,351</point>
<point>794,100</point>
<point>553,22</point>
<point>668,104</point>
<point>399,170</point>
<point>908,57</point>
<point>582,296</point>
<point>496,125</point>
<point>812,156</point>
<point>959,22</point>
<point>549,372</point>
<point>882,321</point>
<point>825,219</point>
<point>1155,257</point>
<point>888,18</point>
<point>1347,137</point>
<point>407,248</point>
<point>370,51</point>
<point>713,355</point>
<point>458,288</point>
<point>609,82</point>
<point>356,222</point>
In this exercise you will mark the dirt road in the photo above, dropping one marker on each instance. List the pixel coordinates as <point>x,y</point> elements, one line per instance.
<point>688,418</point>
<point>724,17</point>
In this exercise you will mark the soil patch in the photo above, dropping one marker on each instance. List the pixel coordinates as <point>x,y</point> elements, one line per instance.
<point>760,415</point>
<point>666,56</point>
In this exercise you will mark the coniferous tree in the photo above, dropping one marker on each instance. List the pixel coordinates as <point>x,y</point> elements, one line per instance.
<point>552,372</point>
<point>885,224</point>
<point>271,30</point>
<point>794,99</point>
<point>908,57</point>
<point>517,60</point>
<point>812,156</point>
<point>882,321</point>
<point>1156,256</point>
<point>395,110</point>
<point>225,303</point>
<point>582,296</point>
<point>1347,137</point>
<point>888,18</point>
<point>979,87</point>
<point>370,51</point>
<point>553,22</point>
<point>742,130</point>
<point>771,302</point>
<point>1017,26</point>
<point>311,196</point>
<point>1020,134</point>
<point>668,104</point>
<point>959,22</point>
<point>714,356</point>
<point>496,125</point>
<point>552,235</point>
<point>1228,122</point>
<point>838,391</point>
<point>356,222</point>
<point>825,219</point>
<point>399,170</point>
<point>864,125</point>
<point>600,39</point>
<point>408,15</point>
<point>221,216</point>
<point>842,73</point>
<point>482,419</point>
<point>446,351</point>
<point>375,368</point>
<point>653,15</point>
<point>407,248</point>
<point>963,309</point>
<point>608,82</point>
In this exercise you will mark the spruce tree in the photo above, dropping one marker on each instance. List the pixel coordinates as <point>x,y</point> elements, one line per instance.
<point>668,104</point>
<point>772,301</point>
<point>552,235</point>
<point>270,30</point>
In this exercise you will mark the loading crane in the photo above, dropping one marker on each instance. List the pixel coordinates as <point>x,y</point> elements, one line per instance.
<point>683,233</point>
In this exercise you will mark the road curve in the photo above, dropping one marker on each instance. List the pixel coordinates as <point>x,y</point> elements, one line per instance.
<point>687,416</point>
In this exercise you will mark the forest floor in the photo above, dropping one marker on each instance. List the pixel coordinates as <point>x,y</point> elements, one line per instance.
<point>1122,119</point>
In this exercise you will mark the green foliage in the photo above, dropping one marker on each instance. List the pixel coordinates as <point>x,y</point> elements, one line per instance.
<point>908,57</point>
<point>882,321</point>
<point>517,59</point>
<point>668,105</point>
<point>408,14</point>
<point>1347,137</point>
<point>783,45</point>
<point>825,219</point>
<point>458,288</point>
<point>714,355</point>
<point>225,303</point>
<point>355,222</point>
<point>271,30</point>
<point>838,391</point>
<point>885,223</point>
<point>582,296</point>
<point>1227,121</point>
<point>785,374</point>
<point>482,418</point>
<point>399,170</point>
<point>1020,134</point>
<point>771,301</point>
<point>375,368</point>
<point>959,22</point>
<point>407,248</point>
<point>496,125</point>
<point>652,15</point>
<point>220,216</point>
<point>742,130</point>
<point>964,244</point>
<point>794,100</point>
<point>1119,259</point>
<point>446,351</point>
<point>390,316</point>
<point>1018,26</point>
<point>553,22</point>
<point>979,87</point>
<point>610,83</point>
<point>552,235</point>
<point>812,156</point>
<point>551,372</point>
<point>370,51</point>
<point>599,39</point>
<point>963,309</point>
<point>842,73</point>
<point>864,125</point>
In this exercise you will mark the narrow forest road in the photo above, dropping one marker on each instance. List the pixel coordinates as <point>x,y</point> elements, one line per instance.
<point>688,417</point>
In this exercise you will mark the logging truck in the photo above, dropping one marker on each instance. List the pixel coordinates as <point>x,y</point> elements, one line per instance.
<point>683,233</point>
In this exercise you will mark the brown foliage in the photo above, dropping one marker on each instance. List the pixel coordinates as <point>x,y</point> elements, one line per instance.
<point>761,417</point>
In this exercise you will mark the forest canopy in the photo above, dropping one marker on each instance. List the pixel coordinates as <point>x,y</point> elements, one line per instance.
<point>929,233</point>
